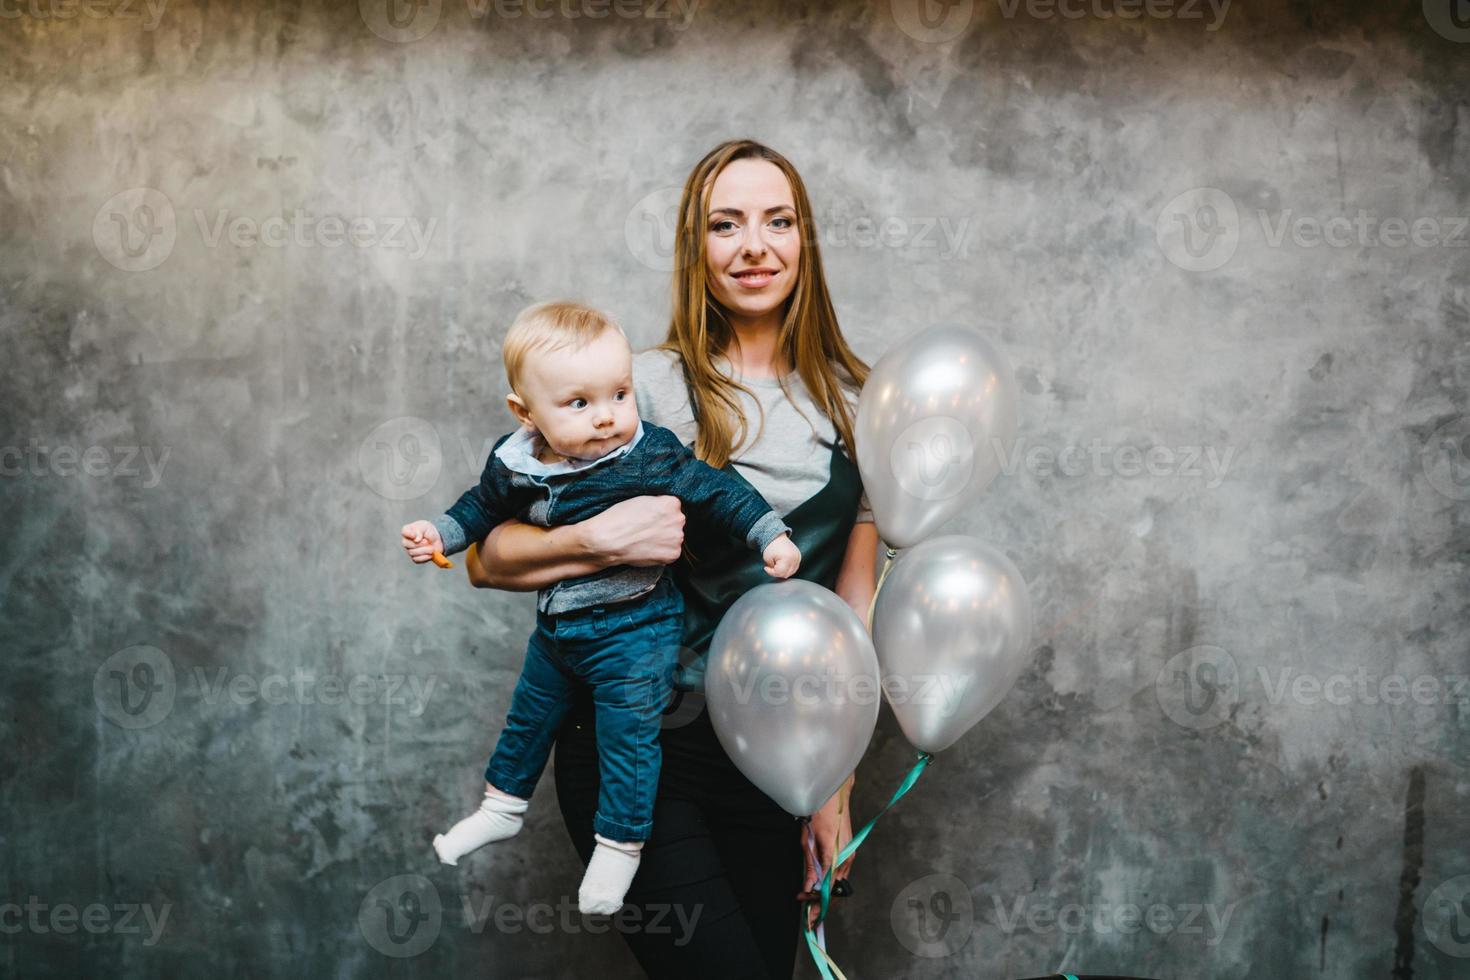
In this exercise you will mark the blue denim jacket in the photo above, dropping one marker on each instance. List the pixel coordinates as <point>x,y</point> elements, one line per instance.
<point>516,484</point>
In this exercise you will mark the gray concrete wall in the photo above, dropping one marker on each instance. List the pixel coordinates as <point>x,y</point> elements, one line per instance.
<point>256,260</point>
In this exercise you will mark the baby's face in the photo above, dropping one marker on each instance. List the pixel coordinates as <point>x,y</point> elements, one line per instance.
<point>582,401</point>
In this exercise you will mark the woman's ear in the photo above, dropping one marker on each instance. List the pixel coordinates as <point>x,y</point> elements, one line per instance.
<point>519,410</point>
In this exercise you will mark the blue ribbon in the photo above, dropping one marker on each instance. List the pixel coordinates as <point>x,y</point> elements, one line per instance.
<point>818,953</point>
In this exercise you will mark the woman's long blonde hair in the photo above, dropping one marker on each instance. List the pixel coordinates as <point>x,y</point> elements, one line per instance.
<point>810,339</point>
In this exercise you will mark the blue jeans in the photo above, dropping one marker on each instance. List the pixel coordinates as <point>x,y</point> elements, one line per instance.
<point>626,653</point>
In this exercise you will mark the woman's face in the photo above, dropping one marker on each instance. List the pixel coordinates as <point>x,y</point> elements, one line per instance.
<point>752,242</point>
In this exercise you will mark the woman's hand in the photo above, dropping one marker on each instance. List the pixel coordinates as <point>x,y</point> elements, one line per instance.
<point>829,829</point>
<point>644,531</point>
<point>521,557</point>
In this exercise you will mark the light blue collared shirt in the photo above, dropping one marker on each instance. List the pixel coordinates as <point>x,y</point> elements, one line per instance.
<point>519,454</point>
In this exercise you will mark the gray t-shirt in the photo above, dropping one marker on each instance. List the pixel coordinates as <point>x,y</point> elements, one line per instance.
<point>789,462</point>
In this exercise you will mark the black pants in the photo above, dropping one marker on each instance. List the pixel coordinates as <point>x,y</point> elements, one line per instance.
<point>723,858</point>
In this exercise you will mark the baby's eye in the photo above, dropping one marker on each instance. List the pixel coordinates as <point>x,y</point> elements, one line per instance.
<point>578,403</point>
<point>620,396</point>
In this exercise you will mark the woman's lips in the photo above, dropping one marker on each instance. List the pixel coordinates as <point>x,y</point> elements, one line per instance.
<point>754,278</point>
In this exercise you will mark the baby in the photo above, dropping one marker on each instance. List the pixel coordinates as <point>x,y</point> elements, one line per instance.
<point>582,448</point>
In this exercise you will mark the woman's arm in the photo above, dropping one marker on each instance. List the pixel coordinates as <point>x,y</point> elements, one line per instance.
<point>523,557</point>
<point>520,557</point>
<point>857,579</point>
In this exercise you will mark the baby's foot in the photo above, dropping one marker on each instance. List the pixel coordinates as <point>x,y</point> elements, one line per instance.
<point>499,817</point>
<point>608,876</point>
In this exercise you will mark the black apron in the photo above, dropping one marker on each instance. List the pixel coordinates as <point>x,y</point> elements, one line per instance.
<point>716,569</point>
<point>697,778</point>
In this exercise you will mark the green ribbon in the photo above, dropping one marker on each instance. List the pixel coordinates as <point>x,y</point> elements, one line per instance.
<point>857,839</point>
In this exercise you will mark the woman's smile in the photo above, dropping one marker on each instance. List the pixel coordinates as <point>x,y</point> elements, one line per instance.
<point>757,278</point>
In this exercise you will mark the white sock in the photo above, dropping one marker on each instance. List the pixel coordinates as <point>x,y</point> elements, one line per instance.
<point>608,876</point>
<point>499,817</point>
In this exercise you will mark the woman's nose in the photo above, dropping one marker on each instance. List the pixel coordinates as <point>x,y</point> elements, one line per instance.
<point>754,244</point>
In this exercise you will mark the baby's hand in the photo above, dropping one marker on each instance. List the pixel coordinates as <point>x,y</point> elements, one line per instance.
<point>782,557</point>
<point>421,539</point>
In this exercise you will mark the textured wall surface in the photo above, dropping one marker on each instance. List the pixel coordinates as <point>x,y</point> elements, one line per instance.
<point>256,260</point>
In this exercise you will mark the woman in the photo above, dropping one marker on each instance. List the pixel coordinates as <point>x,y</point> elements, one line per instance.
<point>753,333</point>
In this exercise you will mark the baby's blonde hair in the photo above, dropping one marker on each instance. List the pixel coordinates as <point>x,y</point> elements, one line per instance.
<point>551,326</point>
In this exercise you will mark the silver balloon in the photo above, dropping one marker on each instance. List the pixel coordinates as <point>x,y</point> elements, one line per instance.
<point>952,625</point>
<point>792,689</point>
<point>935,420</point>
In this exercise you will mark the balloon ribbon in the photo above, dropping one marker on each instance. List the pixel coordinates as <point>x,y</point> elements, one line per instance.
<point>872,604</point>
<point>816,940</point>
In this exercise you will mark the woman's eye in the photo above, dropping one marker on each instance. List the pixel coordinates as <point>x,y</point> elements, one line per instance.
<point>782,223</point>
<point>722,227</point>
